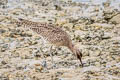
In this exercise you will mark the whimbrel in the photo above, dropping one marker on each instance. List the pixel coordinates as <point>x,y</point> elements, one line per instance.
<point>53,35</point>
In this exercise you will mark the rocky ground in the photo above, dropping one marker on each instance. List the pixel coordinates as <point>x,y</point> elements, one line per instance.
<point>92,27</point>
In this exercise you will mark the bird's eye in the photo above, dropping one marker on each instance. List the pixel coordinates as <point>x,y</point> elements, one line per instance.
<point>72,45</point>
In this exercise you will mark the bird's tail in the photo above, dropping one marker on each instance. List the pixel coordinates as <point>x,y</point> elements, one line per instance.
<point>22,22</point>
<point>16,21</point>
<point>20,19</point>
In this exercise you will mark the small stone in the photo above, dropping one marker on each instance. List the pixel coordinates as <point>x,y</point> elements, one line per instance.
<point>38,68</point>
<point>95,53</point>
<point>116,19</point>
<point>57,7</point>
<point>97,64</point>
<point>61,21</point>
<point>79,27</point>
<point>3,2</point>
<point>2,18</point>
<point>2,31</point>
<point>16,11</point>
<point>61,14</point>
<point>103,25</point>
<point>69,26</point>
<point>3,62</point>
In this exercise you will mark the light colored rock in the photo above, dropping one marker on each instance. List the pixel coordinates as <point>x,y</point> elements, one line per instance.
<point>2,18</point>
<point>61,14</point>
<point>3,2</point>
<point>103,25</point>
<point>61,21</point>
<point>23,53</point>
<point>16,11</point>
<point>95,53</point>
<point>68,26</point>
<point>116,19</point>
<point>79,26</point>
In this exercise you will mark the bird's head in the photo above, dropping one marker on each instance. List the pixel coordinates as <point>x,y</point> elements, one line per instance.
<point>77,53</point>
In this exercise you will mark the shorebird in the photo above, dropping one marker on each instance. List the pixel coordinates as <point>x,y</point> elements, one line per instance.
<point>54,35</point>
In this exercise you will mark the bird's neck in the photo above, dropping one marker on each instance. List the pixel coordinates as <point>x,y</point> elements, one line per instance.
<point>71,47</point>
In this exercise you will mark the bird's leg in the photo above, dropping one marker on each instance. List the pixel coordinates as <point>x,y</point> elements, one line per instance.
<point>51,52</point>
<point>44,63</point>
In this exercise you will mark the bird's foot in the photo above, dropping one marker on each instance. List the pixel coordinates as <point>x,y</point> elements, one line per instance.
<point>44,64</point>
<point>53,66</point>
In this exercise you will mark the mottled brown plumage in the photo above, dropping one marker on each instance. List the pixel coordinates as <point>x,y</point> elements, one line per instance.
<point>52,34</point>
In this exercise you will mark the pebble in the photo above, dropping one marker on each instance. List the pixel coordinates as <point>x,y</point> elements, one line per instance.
<point>115,19</point>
